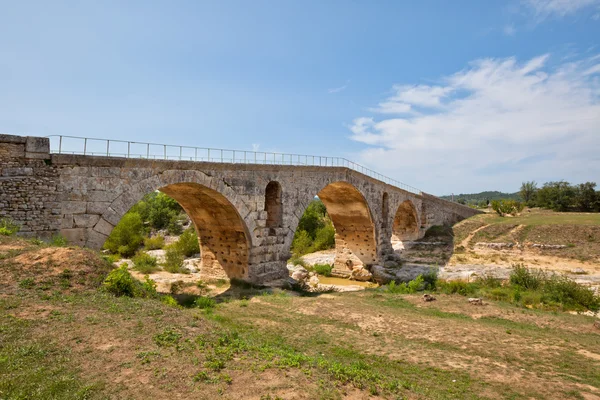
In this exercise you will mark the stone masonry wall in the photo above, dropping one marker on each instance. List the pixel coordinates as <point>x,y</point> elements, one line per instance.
<point>28,185</point>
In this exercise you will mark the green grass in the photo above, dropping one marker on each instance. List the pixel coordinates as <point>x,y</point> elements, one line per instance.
<point>544,218</point>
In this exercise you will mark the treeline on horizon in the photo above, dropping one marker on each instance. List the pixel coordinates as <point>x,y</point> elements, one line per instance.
<point>557,196</point>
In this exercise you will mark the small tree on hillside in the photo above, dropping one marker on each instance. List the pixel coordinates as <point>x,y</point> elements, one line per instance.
<point>528,191</point>
<point>586,198</point>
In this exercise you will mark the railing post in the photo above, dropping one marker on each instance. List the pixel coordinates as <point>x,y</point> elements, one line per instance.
<point>84,146</point>
<point>208,155</point>
<point>221,155</point>
<point>148,150</point>
<point>195,154</point>
<point>165,151</point>
<point>128,149</point>
<point>107,148</point>
<point>180,152</point>
<point>60,145</point>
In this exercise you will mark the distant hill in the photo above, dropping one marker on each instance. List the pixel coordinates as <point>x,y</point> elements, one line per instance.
<point>474,198</point>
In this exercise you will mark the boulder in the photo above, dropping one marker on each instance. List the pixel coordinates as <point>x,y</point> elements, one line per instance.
<point>381,275</point>
<point>476,301</point>
<point>428,297</point>
<point>360,273</point>
<point>300,274</point>
<point>313,281</point>
<point>391,264</point>
<point>192,264</point>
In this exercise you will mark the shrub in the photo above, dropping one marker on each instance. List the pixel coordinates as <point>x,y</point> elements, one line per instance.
<point>504,207</point>
<point>302,243</point>
<point>570,294</point>
<point>120,283</point>
<point>525,278</point>
<point>489,281</point>
<point>154,243</point>
<point>413,286</point>
<point>324,238</point>
<point>8,227</point>
<point>457,287</point>
<point>144,262</point>
<point>297,260</point>
<point>169,300</point>
<point>174,260</point>
<point>430,279</point>
<point>204,303</point>
<point>323,269</point>
<point>126,237</point>
<point>188,243</point>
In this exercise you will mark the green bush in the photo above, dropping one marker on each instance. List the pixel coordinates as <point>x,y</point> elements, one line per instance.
<point>174,260</point>
<point>569,294</point>
<point>413,286</point>
<point>526,278</point>
<point>323,269</point>
<point>144,262</point>
<point>188,244</point>
<point>169,300</point>
<point>126,237</point>
<point>204,303</point>
<point>504,207</point>
<point>8,227</point>
<point>154,243</point>
<point>302,243</point>
<point>457,287</point>
<point>120,283</point>
<point>324,238</point>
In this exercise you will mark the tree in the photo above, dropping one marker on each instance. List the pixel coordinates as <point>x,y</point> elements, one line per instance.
<point>557,196</point>
<point>586,198</point>
<point>528,191</point>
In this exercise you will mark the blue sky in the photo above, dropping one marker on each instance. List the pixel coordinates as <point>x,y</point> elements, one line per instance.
<point>448,96</point>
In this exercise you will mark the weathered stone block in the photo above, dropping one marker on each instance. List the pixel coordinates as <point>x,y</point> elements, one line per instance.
<point>104,227</point>
<point>37,145</point>
<point>86,220</point>
<point>97,207</point>
<point>76,236</point>
<point>74,207</point>
<point>19,171</point>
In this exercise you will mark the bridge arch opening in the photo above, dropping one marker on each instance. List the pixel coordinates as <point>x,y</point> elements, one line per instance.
<point>405,222</point>
<point>344,223</point>
<point>273,206</point>
<point>221,232</point>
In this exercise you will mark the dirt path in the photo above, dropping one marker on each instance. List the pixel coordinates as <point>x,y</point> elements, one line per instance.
<point>466,241</point>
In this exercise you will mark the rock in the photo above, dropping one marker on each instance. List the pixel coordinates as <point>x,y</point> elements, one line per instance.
<point>360,273</point>
<point>313,281</point>
<point>191,264</point>
<point>381,275</point>
<point>410,271</point>
<point>428,297</point>
<point>578,271</point>
<point>476,301</point>
<point>158,254</point>
<point>391,264</point>
<point>300,274</point>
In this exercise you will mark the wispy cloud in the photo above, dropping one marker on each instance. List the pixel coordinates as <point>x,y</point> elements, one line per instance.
<point>558,8</point>
<point>509,30</point>
<point>338,89</point>
<point>494,112</point>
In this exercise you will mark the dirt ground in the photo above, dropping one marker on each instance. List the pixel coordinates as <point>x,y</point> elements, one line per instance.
<point>63,338</point>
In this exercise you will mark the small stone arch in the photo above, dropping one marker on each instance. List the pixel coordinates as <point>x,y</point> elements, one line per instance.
<point>273,207</point>
<point>406,226</point>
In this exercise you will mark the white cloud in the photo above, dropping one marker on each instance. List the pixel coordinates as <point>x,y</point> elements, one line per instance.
<point>490,126</point>
<point>337,89</point>
<point>509,30</point>
<point>560,8</point>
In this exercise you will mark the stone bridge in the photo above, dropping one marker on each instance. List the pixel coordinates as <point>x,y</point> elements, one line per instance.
<point>245,214</point>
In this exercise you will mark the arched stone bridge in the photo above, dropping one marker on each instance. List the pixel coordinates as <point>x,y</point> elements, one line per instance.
<point>245,214</point>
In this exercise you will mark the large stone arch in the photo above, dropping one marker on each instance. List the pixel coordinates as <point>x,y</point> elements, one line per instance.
<point>355,238</point>
<point>216,211</point>
<point>406,222</point>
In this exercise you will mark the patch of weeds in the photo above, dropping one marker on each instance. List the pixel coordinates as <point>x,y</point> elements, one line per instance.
<point>174,260</point>
<point>406,288</point>
<point>146,357</point>
<point>154,243</point>
<point>457,287</point>
<point>27,283</point>
<point>8,227</point>
<point>120,283</point>
<point>58,241</point>
<point>323,269</point>
<point>168,337</point>
<point>144,262</point>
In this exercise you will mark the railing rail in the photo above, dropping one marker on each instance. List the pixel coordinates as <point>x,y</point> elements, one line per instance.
<point>62,144</point>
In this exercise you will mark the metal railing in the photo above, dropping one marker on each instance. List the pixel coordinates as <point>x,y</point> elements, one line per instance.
<point>61,144</point>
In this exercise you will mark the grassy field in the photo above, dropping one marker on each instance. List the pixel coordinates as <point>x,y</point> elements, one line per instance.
<point>63,338</point>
